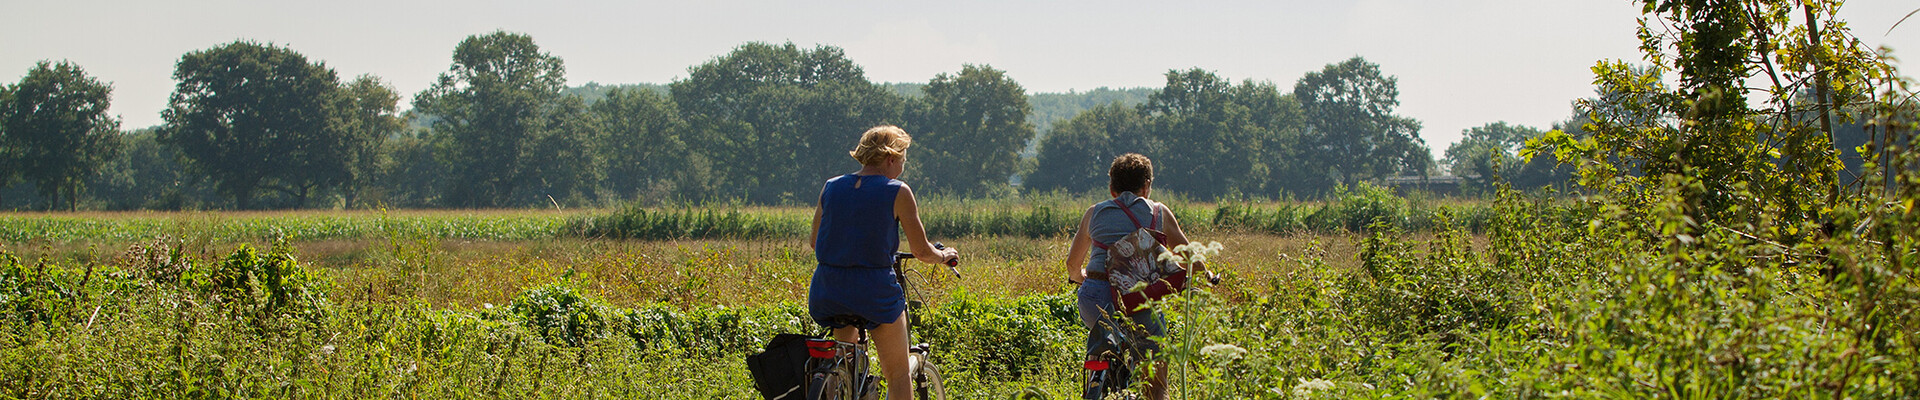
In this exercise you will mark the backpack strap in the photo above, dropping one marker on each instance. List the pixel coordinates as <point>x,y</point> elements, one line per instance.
<point>1153,214</point>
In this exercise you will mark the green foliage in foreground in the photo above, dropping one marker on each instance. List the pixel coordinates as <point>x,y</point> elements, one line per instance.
<point>1636,303</point>
<point>157,326</point>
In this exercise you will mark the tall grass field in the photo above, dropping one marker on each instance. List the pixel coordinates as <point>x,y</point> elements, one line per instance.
<point>1364,295</point>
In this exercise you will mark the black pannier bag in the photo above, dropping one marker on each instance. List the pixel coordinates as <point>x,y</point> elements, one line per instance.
<point>779,372</point>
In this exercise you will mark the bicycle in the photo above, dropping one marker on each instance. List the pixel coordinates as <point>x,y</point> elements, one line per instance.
<point>838,370</point>
<point>1110,370</point>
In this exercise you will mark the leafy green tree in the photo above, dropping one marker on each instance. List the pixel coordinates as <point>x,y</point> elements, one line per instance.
<point>712,88</point>
<point>257,116</point>
<point>645,155</point>
<point>1275,119</point>
<point>1484,151</point>
<point>1354,133</point>
<point>776,120</point>
<point>9,172</point>
<point>1208,137</point>
<point>149,175</point>
<point>1075,157</point>
<point>594,92</point>
<point>55,131</point>
<point>9,157</point>
<point>1051,108</point>
<point>568,164</point>
<point>364,112</point>
<point>973,126</point>
<point>1222,139</point>
<point>1196,116</point>
<point>408,173</point>
<point>1758,162</point>
<point>1491,153</point>
<point>494,110</point>
<point>1546,171</point>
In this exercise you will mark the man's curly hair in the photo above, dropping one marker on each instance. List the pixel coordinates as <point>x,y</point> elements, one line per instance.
<point>1130,173</point>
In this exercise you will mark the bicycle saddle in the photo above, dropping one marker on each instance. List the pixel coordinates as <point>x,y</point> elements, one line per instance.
<point>849,320</point>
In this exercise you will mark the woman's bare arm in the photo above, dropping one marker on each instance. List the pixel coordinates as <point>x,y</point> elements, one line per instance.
<point>815,236</point>
<point>908,212</point>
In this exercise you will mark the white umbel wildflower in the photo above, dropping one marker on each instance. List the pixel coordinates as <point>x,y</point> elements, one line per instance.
<point>1307,387</point>
<point>1223,350</point>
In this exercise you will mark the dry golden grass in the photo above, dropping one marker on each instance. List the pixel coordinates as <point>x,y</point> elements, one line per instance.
<point>470,274</point>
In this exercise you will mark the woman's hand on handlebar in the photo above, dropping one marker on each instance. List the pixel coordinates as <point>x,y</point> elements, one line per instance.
<point>948,256</point>
<point>942,255</point>
<point>1212,279</point>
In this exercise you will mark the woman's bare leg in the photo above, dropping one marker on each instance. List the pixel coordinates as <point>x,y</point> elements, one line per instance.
<point>847,334</point>
<point>891,339</point>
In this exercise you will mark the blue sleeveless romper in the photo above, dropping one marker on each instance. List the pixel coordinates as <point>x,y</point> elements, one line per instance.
<point>855,246</point>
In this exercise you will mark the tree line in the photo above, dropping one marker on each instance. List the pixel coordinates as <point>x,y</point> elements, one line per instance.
<point>253,125</point>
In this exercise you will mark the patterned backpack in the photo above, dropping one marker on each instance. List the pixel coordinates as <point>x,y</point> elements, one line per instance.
<point>1135,259</point>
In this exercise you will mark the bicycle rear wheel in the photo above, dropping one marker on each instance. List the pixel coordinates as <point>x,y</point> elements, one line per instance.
<point>1105,377</point>
<point>1094,387</point>
<point>927,381</point>
<point>828,386</point>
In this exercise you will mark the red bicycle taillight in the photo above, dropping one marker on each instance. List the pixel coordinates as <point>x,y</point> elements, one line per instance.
<point>1096,365</point>
<point>820,348</point>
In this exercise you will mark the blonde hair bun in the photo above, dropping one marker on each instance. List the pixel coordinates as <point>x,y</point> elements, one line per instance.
<point>881,143</point>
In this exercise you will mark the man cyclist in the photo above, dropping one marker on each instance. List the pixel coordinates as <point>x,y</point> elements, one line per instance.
<point>1130,180</point>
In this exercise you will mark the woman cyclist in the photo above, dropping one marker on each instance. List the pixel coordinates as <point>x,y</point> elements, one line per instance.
<point>856,229</point>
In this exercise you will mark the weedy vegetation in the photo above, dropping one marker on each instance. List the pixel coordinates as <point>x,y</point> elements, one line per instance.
<point>1548,297</point>
<point>1711,250</point>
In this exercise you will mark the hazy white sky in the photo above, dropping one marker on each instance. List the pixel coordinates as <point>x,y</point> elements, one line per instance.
<point>1461,63</point>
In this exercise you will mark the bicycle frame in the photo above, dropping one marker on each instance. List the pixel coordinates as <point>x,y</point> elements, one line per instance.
<point>1111,370</point>
<point>835,366</point>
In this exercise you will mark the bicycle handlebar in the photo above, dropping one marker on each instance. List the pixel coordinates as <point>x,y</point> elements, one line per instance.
<point>952,264</point>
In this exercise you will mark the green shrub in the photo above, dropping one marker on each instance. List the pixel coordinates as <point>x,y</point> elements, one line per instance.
<point>708,223</point>
<point>1358,207</point>
<point>1034,222</point>
<point>710,332</point>
<point>264,285</point>
<point>1002,339</point>
<point>561,314</point>
<point>1448,289</point>
<point>36,293</point>
<point>1285,219</point>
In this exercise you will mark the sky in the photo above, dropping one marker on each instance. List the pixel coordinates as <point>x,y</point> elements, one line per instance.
<point>1460,63</point>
